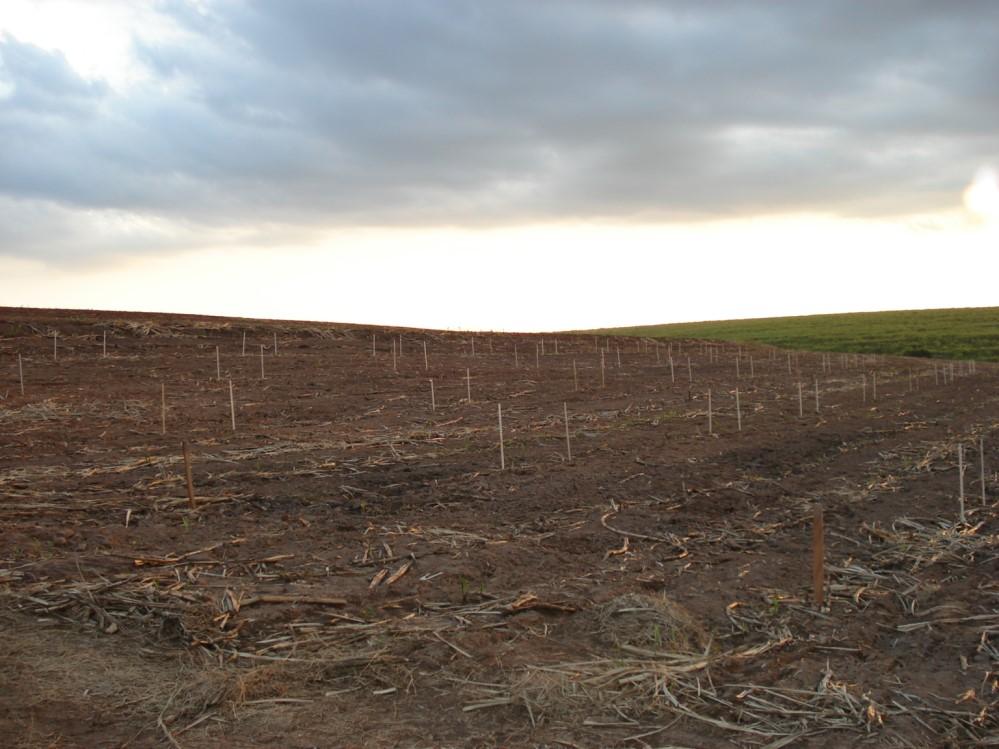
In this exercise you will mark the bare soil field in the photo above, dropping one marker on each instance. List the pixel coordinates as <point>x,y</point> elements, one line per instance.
<point>359,571</point>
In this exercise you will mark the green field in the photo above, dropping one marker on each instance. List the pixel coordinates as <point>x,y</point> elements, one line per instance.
<point>970,333</point>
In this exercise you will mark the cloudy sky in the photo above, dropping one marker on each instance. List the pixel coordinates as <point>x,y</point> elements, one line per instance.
<point>504,165</point>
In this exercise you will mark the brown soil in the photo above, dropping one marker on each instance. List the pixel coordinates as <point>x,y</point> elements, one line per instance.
<point>359,571</point>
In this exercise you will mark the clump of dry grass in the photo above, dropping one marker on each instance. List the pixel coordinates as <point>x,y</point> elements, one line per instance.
<point>650,622</point>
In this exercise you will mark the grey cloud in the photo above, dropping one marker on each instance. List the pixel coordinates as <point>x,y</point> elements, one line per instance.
<point>312,113</point>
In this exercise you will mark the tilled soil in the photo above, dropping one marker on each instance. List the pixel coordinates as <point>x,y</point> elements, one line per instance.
<point>359,571</point>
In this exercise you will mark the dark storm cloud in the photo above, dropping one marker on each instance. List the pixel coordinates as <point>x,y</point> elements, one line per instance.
<point>304,114</point>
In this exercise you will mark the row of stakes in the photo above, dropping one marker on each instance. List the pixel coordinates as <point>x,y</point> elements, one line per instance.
<point>948,373</point>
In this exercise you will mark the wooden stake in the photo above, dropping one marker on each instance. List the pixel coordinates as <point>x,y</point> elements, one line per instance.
<point>738,373</point>
<point>373,344</point>
<point>55,345</point>
<point>752,368</point>
<point>395,366</point>
<point>218,365</point>
<point>568,446</point>
<point>426,360</point>
<point>556,346</point>
<point>575,377</point>
<point>232,405</point>
<point>104,346</point>
<point>960,475</point>
<point>499,412</point>
<point>163,407</point>
<point>710,429</point>
<point>981,466</point>
<point>816,395</point>
<point>542,346</point>
<point>603,377</point>
<point>738,410</point>
<point>433,398</point>
<point>244,344</point>
<point>468,384</point>
<point>818,557</point>
<point>275,343</point>
<point>20,373</point>
<point>262,376</point>
<point>863,384</point>
<point>789,362</point>
<point>187,475</point>
<point>516,358</point>
<point>672,373</point>
<point>618,357</point>
<point>400,345</point>
<point>801,402</point>
<point>874,386</point>
<point>690,371</point>
<point>473,347</point>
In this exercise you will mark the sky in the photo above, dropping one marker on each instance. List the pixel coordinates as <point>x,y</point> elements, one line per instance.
<point>516,165</point>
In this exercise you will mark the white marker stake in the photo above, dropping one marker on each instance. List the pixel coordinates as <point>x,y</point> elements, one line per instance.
<point>395,367</point>
<point>163,408</point>
<point>262,376</point>
<point>473,347</point>
<point>738,410</point>
<point>433,398</point>
<point>960,475</point>
<point>575,377</point>
<point>603,377</point>
<point>244,344</point>
<point>468,384</point>
<point>672,373</point>
<point>232,405</point>
<point>801,403</point>
<point>542,346</point>
<point>218,365</point>
<point>516,358</point>
<point>426,360</point>
<point>400,345</point>
<point>981,466</point>
<point>618,357</point>
<point>556,347</point>
<point>816,395</point>
<point>874,386</point>
<point>658,358</point>
<point>863,384</point>
<point>568,446</point>
<point>20,372</point>
<point>275,343</point>
<point>499,412</point>
<point>55,346</point>
<point>104,346</point>
<point>738,373</point>
<point>372,344</point>
<point>710,430</point>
